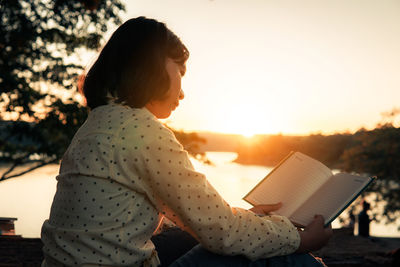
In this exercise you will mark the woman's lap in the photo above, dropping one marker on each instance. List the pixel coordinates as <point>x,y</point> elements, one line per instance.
<point>172,244</point>
<point>198,257</point>
<point>178,249</point>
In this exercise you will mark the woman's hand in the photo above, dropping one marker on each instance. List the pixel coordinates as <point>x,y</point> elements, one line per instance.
<point>265,209</point>
<point>315,235</point>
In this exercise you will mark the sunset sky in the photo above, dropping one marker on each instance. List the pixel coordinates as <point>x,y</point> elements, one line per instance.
<point>291,67</point>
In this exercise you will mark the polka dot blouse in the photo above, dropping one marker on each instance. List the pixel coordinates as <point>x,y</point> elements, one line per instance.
<point>122,173</point>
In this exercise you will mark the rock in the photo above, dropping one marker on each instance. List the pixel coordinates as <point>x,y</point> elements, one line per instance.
<point>17,251</point>
<point>345,249</point>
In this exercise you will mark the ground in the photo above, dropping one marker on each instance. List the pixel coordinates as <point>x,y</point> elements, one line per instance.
<point>343,250</point>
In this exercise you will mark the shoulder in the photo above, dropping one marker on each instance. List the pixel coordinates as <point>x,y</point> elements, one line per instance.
<point>141,126</point>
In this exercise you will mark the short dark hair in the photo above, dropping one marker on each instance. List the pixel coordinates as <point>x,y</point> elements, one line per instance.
<point>131,66</point>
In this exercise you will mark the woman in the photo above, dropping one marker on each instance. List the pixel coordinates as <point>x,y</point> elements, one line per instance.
<point>124,171</point>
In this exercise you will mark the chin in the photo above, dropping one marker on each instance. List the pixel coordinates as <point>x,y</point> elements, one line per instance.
<point>164,115</point>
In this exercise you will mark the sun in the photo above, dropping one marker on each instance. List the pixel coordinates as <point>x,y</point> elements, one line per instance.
<point>242,125</point>
<point>244,121</point>
<point>248,134</point>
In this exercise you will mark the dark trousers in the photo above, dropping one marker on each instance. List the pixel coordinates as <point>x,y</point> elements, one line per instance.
<point>179,249</point>
<point>171,244</point>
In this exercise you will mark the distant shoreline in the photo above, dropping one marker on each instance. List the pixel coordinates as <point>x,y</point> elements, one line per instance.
<point>250,161</point>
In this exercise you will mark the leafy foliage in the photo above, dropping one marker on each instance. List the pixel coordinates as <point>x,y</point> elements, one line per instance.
<point>191,142</point>
<point>40,43</point>
<point>377,153</point>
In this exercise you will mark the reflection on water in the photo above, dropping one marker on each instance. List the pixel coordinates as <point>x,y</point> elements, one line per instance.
<point>231,180</point>
<point>29,197</point>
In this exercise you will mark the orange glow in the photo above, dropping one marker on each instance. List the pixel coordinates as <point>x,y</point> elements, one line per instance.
<point>248,135</point>
<point>284,66</point>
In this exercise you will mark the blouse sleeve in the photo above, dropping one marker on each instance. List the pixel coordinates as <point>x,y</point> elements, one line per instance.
<point>185,197</point>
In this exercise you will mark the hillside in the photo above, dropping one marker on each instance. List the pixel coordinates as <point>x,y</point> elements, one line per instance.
<point>220,142</point>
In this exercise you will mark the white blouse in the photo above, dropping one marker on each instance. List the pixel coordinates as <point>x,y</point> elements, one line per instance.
<point>122,173</point>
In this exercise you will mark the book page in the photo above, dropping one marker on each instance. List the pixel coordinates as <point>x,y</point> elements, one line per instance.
<point>291,183</point>
<point>331,198</point>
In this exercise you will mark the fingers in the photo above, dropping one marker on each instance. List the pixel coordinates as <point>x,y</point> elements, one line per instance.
<point>328,230</point>
<point>320,221</point>
<point>317,221</point>
<point>271,207</point>
<point>319,218</point>
<point>315,235</point>
<point>265,209</point>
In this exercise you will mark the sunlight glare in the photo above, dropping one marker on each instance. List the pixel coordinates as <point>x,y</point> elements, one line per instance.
<point>248,135</point>
<point>243,121</point>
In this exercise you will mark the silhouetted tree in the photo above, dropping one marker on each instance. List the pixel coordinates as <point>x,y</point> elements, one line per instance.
<point>377,152</point>
<point>191,142</point>
<point>39,66</point>
<point>40,47</point>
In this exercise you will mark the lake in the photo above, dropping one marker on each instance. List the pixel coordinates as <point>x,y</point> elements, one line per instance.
<point>29,197</point>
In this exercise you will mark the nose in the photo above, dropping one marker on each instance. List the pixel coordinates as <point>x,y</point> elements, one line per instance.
<point>181,95</point>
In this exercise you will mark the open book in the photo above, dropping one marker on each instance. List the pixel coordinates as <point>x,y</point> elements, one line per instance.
<point>307,187</point>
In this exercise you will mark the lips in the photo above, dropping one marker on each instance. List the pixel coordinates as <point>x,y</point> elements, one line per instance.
<point>174,106</point>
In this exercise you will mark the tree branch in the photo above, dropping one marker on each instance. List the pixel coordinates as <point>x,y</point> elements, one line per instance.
<point>15,164</point>
<point>43,163</point>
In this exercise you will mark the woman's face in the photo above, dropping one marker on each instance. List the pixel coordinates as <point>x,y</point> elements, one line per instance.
<point>163,108</point>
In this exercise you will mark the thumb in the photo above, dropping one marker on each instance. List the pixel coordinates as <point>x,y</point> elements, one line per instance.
<point>317,221</point>
<point>265,209</point>
<point>328,230</point>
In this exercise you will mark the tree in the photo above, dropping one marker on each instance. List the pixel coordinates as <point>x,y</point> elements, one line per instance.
<point>377,153</point>
<point>40,44</point>
<point>191,142</point>
<point>40,47</point>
